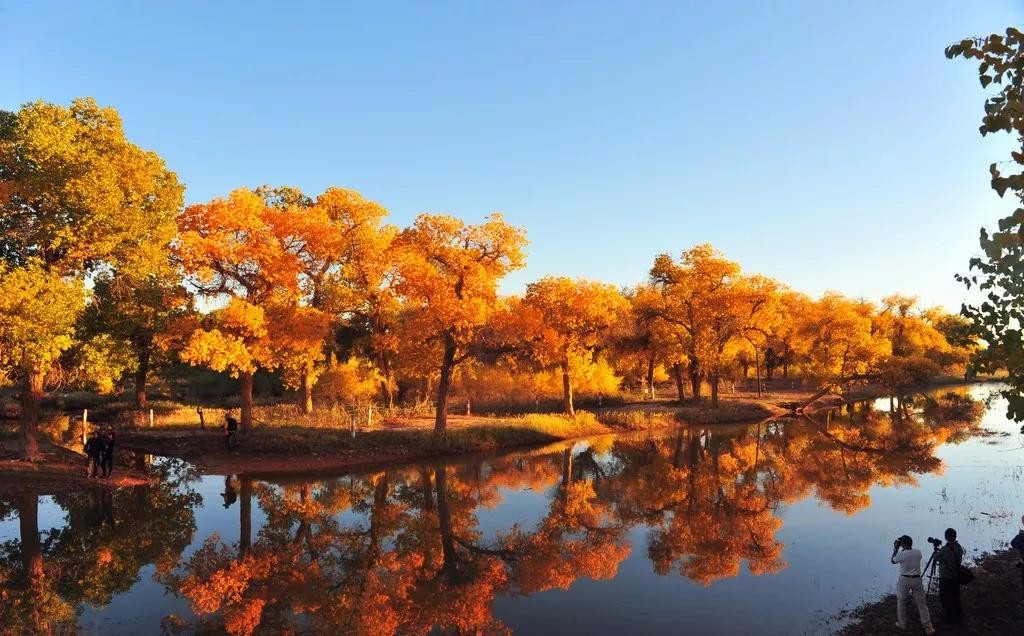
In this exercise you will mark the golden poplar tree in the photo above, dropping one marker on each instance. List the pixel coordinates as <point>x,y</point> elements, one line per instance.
<point>448,274</point>
<point>248,255</point>
<point>76,197</point>
<point>574,318</point>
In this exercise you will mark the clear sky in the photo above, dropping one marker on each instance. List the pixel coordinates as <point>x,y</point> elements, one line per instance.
<point>828,144</point>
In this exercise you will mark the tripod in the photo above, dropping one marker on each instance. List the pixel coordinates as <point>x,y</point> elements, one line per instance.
<point>929,567</point>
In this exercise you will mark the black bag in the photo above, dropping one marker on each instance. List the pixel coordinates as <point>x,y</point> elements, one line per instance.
<point>963,575</point>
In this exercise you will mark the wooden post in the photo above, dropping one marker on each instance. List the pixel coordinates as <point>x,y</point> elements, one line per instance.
<point>85,425</point>
<point>150,418</point>
<point>353,425</point>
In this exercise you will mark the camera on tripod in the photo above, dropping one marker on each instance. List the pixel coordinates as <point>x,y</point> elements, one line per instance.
<point>936,543</point>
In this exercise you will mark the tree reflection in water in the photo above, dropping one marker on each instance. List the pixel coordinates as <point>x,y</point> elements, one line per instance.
<point>404,550</point>
<point>108,536</point>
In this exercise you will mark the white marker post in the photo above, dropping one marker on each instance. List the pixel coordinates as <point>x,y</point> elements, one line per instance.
<point>369,416</point>
<point>150,418</point>
<point>85,425</point>
<point>353,425</point>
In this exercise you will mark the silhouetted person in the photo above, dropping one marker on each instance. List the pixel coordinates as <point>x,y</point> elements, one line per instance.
<point>94,513</point>
<point>107,506</point>
<point>909,584</point>
<point>94,452</point>
<point>230,428</point>
<point>107,456</point>
<point>230,495</point>
<point>949,557</point>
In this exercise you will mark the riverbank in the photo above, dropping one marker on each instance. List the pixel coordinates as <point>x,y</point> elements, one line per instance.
<point>992,605</point>
<point>284,440</point>
<point>283,449</point>
<point>61,471</point>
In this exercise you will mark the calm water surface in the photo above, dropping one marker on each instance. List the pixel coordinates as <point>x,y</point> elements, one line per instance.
<point>771,528</point>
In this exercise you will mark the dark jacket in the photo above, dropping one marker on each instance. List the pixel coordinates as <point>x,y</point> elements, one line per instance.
<point>94,446</point>
<point>109,441</point>
<point>949,557</point>
<point>1017,543</point>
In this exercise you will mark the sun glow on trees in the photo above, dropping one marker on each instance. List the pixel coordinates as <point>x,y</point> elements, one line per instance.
<point>341,307</point>
<point>76,198</point>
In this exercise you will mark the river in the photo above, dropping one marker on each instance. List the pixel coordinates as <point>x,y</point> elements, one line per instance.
<point>768,528</point>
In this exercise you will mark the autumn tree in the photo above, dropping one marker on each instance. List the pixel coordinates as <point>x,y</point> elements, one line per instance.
<point>136,309</point>
<point>839,339</point>
<point>575,318</point>
<point>915,343</point>
<point>246,255</point>
<point>999,274</point>
<point>38,309</point>
<point>357,283</point>
<point>345,270</point>
<point>711,305</point>
<point>782,334</point>
<point>76,197</point>
<point>448,273</point>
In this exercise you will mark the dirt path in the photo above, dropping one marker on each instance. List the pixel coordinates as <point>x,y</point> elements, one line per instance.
<point>50,478</point>
<point>992,605</point>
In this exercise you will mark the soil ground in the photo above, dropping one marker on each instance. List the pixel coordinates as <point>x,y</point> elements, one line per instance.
<point>60,471</point>
<point>992,605</point>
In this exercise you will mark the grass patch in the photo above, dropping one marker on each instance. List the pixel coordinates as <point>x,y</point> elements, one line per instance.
<point>484,434</point>
<point>641,419</point>
<point>650,416</point>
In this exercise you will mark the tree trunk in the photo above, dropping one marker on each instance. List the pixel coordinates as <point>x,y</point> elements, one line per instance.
<point>650,375</point>
<point>245,516</point>
<point>388,384</point>
<point>141,375</point>
<point>31,549</point>
<point>757,369</point>
<point>428,490</point>
<point>444,385</point>
<point>677,371</point>
<point>566,467</point>
<point>695,379</point>
<point>246,424</point>
<point>714,390</point>
<point>450,559</point>
<point>306,395</point>
<point>31,399</point>
<point>567,406</point>
<point>677,453</point>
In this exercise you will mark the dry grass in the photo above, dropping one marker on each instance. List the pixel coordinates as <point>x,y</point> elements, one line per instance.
<point>653,415</point>
<point>411,437</point>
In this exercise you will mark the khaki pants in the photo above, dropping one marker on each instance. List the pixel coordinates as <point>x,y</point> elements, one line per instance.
<point>911,586</point>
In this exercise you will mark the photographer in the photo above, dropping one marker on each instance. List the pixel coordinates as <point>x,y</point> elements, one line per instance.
<point>909,584</point>
<point>949,557</point>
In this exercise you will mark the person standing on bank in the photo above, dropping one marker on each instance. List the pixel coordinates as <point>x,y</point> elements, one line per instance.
<point>230,428</point>
<point>94,453</point>
<point>949,558</point>
<point>909,584</point>
<point>107,461</point>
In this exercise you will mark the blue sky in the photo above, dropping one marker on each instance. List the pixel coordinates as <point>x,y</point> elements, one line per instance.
<point>828,144</point>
